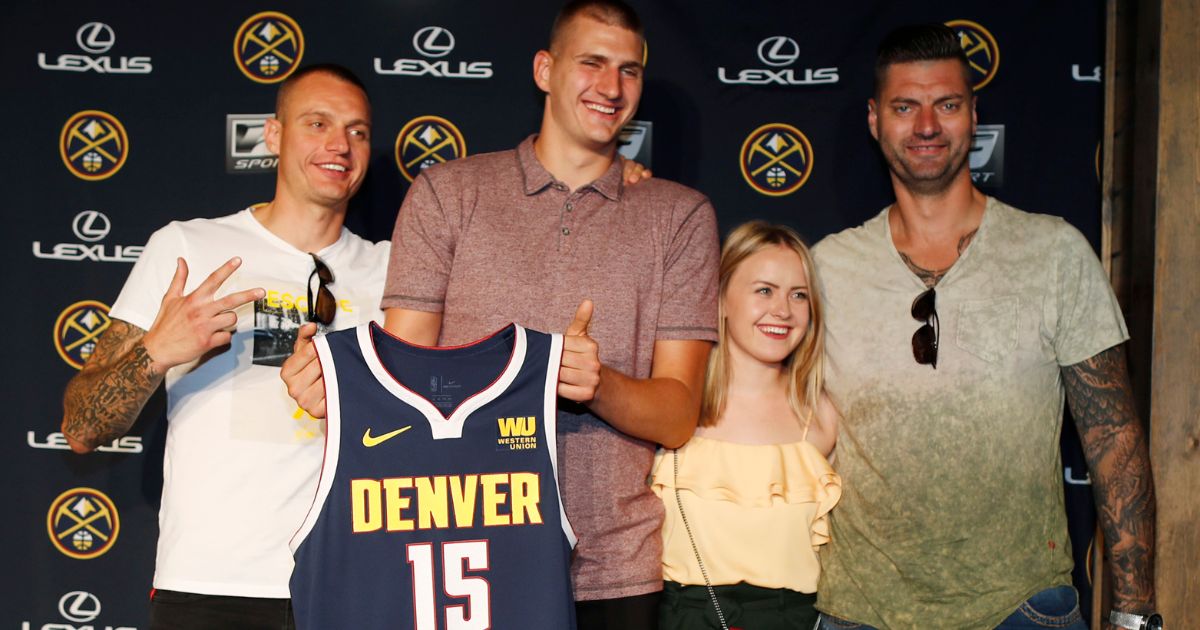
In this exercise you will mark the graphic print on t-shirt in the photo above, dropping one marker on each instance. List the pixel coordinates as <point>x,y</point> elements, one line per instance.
<point>268,335</point>
<point>277,317</point>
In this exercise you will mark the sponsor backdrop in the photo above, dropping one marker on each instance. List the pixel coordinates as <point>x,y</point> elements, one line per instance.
<point>125,116</point>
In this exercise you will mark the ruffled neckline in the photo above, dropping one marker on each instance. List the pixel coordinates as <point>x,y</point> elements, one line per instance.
<point>753,476</point>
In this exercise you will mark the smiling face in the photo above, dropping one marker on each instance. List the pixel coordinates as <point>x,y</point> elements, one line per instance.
<point>322,137</point>
<point>924,120</point>
<point>765,306</point>
<point>592,78</point>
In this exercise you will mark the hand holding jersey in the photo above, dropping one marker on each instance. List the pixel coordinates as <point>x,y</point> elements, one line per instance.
<point>578,377</point>
<point>188,326</point>
<point>302,373</point>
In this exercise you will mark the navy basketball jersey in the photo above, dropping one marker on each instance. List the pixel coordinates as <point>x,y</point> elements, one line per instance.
<point>438,506</point>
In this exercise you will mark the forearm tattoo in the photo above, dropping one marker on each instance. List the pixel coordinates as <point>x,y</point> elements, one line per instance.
<point>103,401</point>
<point>1117,453</point>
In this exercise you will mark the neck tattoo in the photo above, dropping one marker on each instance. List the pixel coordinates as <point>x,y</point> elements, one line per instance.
<point>931,276</point>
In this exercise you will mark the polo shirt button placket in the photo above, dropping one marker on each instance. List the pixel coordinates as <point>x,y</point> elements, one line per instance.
<point>565,221</point>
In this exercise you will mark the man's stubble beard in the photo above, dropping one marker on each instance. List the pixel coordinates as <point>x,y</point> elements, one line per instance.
<point>926,185</point>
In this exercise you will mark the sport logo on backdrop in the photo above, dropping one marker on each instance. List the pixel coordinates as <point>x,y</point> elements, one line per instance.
<point>425,141</point>
<point>435,42</point>
<point>777,52</point>
<point>90,227</point>
<point>268,47</point>
<point>96,38</point>
<point>93,145</point>
<point>635,142</point>
<point>246,150</point>
<point>78,328</point>
<point>83,523</point>
<point>776,159</point>
<point>983,54</point>
<point>987,156</point>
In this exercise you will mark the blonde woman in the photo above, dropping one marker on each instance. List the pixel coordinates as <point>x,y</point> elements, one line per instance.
<point>747,497</point>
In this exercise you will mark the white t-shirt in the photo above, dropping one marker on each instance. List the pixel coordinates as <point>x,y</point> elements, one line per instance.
<point>242,459</point>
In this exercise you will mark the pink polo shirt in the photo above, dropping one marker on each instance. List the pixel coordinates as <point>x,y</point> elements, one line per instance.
<point>494,238</point>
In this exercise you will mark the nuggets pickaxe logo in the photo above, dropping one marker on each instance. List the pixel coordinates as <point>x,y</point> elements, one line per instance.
<point>78,328</point>
<point>268,47</point>
<point>425,141</point>
<point>983,54</point>
<point>776,159</point>
<point>83,523</point>
<point>93,145</point>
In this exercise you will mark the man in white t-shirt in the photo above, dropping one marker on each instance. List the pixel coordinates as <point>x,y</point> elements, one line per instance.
<point>241,459</point>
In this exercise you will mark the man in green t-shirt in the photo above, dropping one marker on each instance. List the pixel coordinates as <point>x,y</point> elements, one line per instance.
<point>956,327</point>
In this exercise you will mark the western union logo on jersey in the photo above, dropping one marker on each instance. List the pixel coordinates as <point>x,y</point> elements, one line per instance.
<point>517,434</point>
<point>402,504</point>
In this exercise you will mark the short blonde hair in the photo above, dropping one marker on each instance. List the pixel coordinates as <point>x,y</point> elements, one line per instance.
<point>805,365</point>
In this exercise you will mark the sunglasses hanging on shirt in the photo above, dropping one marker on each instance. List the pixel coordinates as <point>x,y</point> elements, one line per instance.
<point>324,307</point>
<point>925,340</point>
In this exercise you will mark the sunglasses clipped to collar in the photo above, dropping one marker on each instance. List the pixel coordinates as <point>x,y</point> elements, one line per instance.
<point>925,340</point>
<point>324,307</point>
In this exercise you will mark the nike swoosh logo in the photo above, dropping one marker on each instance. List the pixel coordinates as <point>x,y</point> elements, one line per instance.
<point>369,440</point>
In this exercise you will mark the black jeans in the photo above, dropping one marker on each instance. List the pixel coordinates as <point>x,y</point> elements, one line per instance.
<point>173,610</point>
<point>744,605</point>
<point>639,612</point>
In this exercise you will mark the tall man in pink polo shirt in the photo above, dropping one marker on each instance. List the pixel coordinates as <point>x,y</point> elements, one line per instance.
<point>549,236</point>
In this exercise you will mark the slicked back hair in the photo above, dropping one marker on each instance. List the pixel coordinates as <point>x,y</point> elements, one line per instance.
<point>919,42</point>
<point>332,69</point>
<point>610,12</point>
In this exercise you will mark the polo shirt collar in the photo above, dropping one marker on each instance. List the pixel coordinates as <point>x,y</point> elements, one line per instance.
<point>611,184</point>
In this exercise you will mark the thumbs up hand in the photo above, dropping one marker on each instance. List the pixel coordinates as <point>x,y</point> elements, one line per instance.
<point>579,374</point>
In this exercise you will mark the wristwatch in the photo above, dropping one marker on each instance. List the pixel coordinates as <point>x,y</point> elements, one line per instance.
<point>1153,621</point>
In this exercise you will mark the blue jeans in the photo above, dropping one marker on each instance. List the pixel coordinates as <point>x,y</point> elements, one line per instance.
<point>1056,607</point>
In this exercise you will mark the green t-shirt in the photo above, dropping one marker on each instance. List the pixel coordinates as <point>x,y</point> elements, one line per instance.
<point>952,512</point>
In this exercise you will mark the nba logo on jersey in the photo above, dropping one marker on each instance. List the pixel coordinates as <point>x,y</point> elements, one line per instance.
<point>438,507</point>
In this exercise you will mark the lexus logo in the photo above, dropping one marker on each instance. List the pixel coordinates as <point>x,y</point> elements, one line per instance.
<point>95,37</point>
<point>90,226</point>
<point>778,51</point>
<point>79,606</point>
<point>433,41</point>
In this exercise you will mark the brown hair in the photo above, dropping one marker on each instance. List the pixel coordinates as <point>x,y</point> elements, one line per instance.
<point>805,365</point>
<point>919,42</point>
<point>334,70</point>
<point>610,12</point>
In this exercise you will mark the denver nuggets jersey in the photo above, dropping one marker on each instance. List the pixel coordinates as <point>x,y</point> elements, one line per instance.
<point>438,505</point>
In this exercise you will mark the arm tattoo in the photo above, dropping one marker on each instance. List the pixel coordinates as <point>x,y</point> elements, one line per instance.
<point>931,276</point>
<point>102,402</point>
<point>1114,444</point>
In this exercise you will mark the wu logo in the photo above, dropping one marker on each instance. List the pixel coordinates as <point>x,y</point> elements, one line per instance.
<point>517,427</point>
